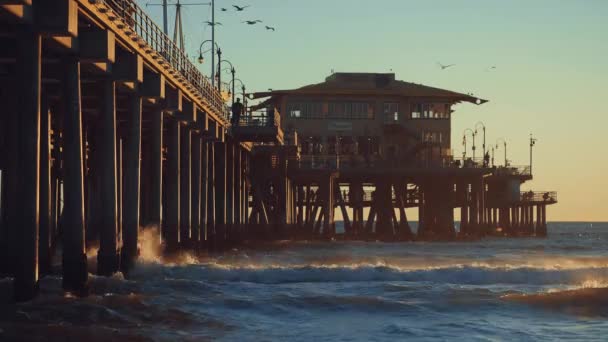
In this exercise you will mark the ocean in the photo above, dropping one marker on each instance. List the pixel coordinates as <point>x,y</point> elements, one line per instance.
<point>494,289</point>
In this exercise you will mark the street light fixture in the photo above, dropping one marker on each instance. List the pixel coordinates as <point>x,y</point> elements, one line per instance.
<point>232,71</point>
<point>201,59</point>
<point>532,143</point>
<point>484,136</point>
<point>504,142</point>
<point>464,143</point>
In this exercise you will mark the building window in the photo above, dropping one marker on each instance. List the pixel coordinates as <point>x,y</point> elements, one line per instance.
<point>391,111</point>
<point>305,110</point>
<point>350,110</point>
<point>431,111</point>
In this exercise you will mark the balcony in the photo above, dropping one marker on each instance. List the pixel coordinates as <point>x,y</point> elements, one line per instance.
<point>538,197</point>
<point>263,125</point>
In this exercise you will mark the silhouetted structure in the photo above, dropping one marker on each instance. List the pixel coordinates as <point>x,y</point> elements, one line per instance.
<point>388,143</point>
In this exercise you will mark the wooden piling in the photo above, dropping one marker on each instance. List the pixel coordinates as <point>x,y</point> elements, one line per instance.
<point>131,205</point>
<point>108,257</point>
<point>75,275</point>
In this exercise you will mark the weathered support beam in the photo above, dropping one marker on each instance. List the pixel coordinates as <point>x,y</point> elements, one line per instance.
<point>211,220</point>
<point>345,218</point>
<point>220,191</point>
<point>131,186</point>
<point>229,195</point>
<point>238,187</point>
<point>172,179</point>
<point>25,203</point>
<point>185,184</point>
<point>204,191</point>
<point>195,197</point>
<point>329,226</point>
<point>45,230</point>
<point>108,257</point>
<point>156,169</point>
<point>75,275</point>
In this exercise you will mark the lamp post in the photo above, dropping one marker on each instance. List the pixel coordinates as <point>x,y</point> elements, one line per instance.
<point>242,89</point>
<point>232,71</point>
<point>484,136</point>
<point>464,143</point>
<point>492,156</point>
<point>201,59</point>
<point>504,142</point>
<point>532,143</point>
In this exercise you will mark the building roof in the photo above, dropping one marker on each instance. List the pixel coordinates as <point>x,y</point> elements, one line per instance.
<point>370,84</point>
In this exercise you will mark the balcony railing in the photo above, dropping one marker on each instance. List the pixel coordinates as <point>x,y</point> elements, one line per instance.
<point>538,196</point>
<point>129,17</point>
<point>266,117</point>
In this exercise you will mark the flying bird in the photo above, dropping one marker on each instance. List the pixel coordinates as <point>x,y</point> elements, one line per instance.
<point>443,67</point>
<point>491,68</point>
<point>239,8</point>
<point>213,24</point>
<point>224,9</point>
<point>270,28</point>
<point>252,22</point>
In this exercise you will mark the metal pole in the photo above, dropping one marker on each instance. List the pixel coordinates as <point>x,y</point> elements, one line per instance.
<point>165,19</point>
<point>233,72</point>
<point>219,70</point>
<point>213,42</point>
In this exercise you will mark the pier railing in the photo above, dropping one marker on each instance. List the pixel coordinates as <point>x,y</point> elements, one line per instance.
<point>538,196</point>
<point>129,17</point>
<point>266,117</point>
<point>513,171</point>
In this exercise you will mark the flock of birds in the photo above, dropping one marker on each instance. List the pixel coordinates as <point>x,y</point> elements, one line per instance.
<point>248,22</point>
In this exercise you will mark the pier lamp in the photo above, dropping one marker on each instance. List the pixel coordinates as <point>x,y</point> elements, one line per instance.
<point>201,59</point>
<point>464,143</point>
<point>532,143</point>
<point>483,127</point>
<point>232,71</point>
<point>504,142</point>
<point>232,84</point>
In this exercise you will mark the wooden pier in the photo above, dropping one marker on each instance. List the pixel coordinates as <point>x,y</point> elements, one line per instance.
<point>106,127</point>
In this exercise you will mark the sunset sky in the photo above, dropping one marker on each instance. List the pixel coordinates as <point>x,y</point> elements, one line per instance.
<point>550,78</point>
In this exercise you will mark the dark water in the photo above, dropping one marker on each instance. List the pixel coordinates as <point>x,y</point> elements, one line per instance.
<point>495,289</point>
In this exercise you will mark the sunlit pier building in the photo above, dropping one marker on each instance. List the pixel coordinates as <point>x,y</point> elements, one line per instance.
<point>368,140</point>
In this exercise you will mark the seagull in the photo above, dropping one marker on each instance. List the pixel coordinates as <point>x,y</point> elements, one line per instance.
<point>270,28</point>
<point>224,9</point>
<point>491,68</point>
<point>443,67</point>
<point>252,22</point>
<point>238,8</point>
<point>213,24</point>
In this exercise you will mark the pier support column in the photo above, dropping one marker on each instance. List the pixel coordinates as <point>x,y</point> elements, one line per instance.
<point>195,197</point>
<point>204,193</point>
<point>229,189</point>
<point>542,231</point>
<point>329,226</point>
<point>185,184</point>
<point>45,230</point>
<point>130,231</point>
<point>220,193</point>
<point>172,180</point>
<point>108,258</point>
<point>74,263</point>
<point>384,206</point>
<point>23,204</point>
<point>156,170</point>
<point>238,189</point>
<point>211,224</point>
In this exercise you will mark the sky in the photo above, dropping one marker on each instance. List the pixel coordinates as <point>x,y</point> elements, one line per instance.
<point>551,61</point>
